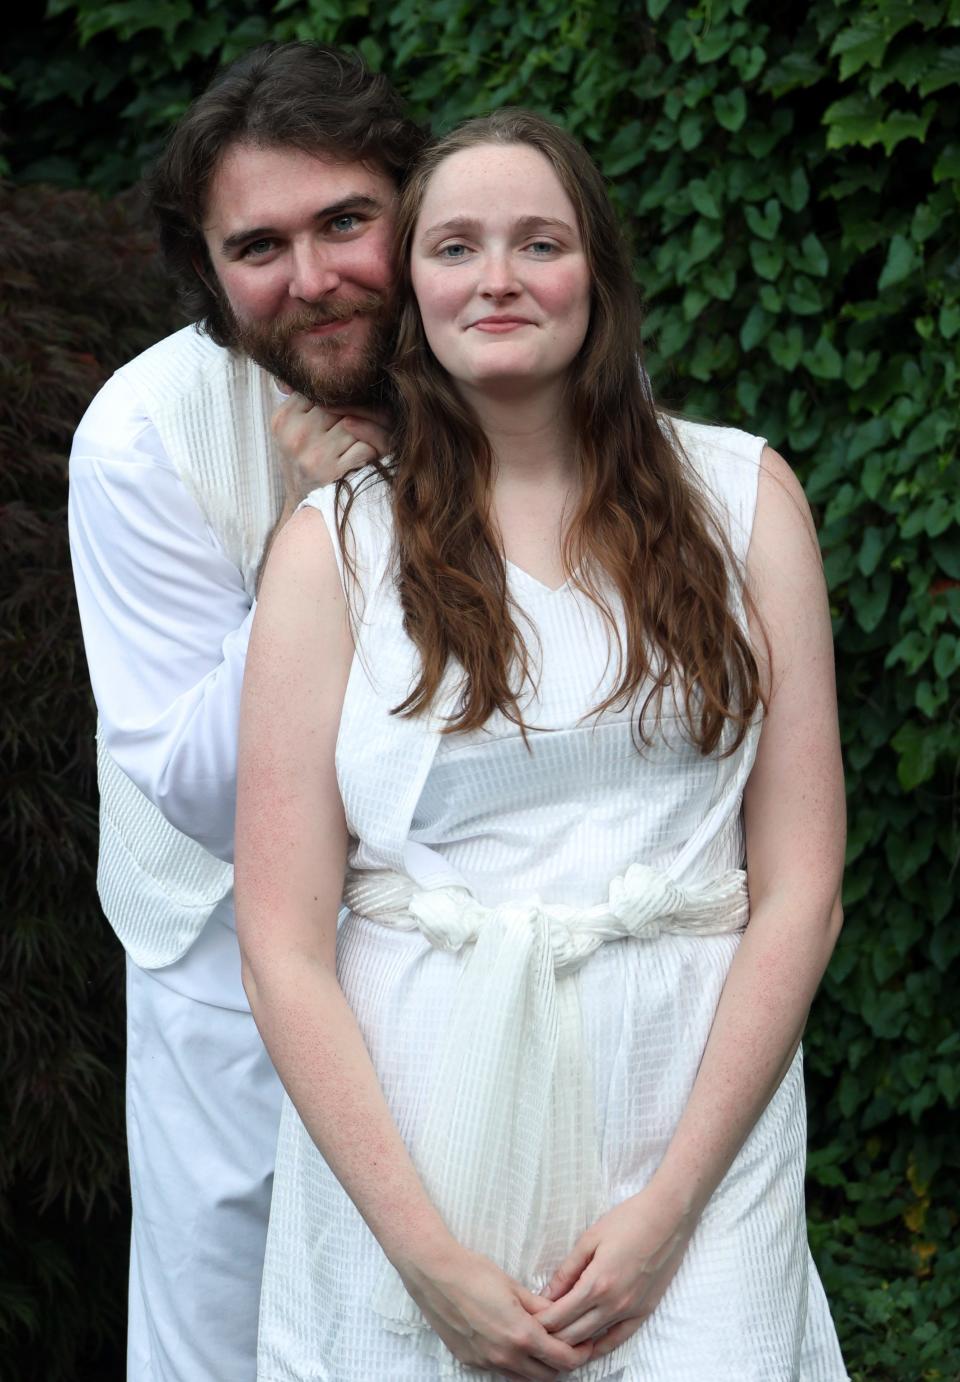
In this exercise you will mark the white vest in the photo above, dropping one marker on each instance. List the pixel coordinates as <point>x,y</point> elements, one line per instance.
<point>212,411</point>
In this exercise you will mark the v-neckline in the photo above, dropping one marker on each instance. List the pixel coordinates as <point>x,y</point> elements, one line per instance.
<point>532,580</point>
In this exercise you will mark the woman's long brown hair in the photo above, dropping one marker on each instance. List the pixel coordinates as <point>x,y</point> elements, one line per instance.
<point>641,525</point>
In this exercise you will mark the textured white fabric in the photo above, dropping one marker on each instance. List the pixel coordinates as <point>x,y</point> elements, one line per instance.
<point>203,1102</point>
<point>511,1091</point>
<point>174,488</point>
<point>164,589</point>
<point>548,823</point>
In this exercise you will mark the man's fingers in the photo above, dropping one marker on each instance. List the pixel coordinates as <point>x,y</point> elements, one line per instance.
<point>354,457</point>
<point>362,429</point>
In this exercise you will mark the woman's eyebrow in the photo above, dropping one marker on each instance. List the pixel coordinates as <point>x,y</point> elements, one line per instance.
<point>469,225</point>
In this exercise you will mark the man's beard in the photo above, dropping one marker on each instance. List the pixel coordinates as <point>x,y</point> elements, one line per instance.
<point>332,373</point>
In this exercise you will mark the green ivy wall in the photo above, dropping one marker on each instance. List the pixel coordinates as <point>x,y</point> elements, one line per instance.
<point>791,176</point>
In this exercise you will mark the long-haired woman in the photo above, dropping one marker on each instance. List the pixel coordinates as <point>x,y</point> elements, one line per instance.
<point>547,700</point>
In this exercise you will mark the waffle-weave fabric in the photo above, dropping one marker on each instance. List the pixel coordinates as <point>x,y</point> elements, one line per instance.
<point>554,821</point>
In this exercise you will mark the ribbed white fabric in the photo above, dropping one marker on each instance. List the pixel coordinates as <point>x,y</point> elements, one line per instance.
<point>212,412</point>
<point>550,821</point>
<point>512,1091</point>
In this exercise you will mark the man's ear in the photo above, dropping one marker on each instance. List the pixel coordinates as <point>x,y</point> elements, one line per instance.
<point>203,269</point>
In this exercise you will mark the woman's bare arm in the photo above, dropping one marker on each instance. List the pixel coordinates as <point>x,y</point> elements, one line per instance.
<point>291,854</point>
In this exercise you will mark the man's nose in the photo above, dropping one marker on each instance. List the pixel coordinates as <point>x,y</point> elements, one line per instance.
<point>312,274</point>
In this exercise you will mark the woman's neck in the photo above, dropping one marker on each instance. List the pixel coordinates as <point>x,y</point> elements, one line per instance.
<point>531,438</point>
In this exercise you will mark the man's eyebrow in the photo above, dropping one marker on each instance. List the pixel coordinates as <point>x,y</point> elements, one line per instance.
<point>468,225</point>
<point>368,205</point>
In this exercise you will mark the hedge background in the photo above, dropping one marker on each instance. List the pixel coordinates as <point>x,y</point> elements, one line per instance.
<point>791,174</point>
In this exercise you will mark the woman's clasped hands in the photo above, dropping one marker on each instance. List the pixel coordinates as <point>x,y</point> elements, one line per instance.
<point>610,1282</point>
<point>617,1272</point>
<point>487,1320</point>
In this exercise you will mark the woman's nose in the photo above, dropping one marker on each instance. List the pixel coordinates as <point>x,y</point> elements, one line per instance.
<point>498,279</point>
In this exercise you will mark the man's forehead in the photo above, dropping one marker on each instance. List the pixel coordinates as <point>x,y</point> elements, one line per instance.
<point>253,180</point>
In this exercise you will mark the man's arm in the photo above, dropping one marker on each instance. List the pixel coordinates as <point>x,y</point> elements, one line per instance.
<point>165,619</point>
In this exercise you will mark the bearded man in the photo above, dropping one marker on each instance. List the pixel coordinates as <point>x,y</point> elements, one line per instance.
<point>275,200</point>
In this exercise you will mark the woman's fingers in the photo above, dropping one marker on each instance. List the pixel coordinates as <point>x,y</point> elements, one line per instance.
<point>570,1270</point>
<point>616,1335</point>
<point>568,1309</point>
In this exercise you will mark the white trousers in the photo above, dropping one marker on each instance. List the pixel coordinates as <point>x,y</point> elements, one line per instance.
<point>203,1107</point>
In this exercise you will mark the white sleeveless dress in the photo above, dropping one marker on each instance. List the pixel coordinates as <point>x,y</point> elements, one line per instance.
<point>554,820</point>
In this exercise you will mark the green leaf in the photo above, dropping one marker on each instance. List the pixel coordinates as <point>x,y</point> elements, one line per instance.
<point>902,260</point>
<point>756,326</point>
<point>796,193</point>
<point>786,347</point>
<point>947,166</point>
<point>764,224</point>
<point>804,297</point>
<point>949,320</point>
<point>626,149</point>
<point>824,360</point>
<point>872,549</point>
<point>942,71</point>
<point>917,748</point>
<point>767,259</point>
<point>865,41</point>
<point>860,120</point>
<point>691,131</point>
<point>730,108</point>
<point>703,199</point>
<point>655,8</point>
<point>815,259</point>
<point>946,656</point>
<point>719,280</point>
<point>870,599</point>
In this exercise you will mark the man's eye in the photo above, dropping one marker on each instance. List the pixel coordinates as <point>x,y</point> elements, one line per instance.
<point>344,223</point>
<point>256,248</point>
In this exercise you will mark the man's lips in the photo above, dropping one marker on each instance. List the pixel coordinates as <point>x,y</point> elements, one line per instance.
<point>327,328</point>
<point>496,325</point>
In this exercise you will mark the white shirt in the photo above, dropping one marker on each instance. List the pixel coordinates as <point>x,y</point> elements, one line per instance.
<point>166,620</point>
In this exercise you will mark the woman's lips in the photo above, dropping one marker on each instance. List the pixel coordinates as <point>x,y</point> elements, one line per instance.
<point>498,325</point>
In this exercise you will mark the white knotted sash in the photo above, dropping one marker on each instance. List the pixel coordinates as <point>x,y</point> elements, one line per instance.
<point>507,1150</point>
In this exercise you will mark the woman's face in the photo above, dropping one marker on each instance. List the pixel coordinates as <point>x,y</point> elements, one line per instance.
<point>499,271</point>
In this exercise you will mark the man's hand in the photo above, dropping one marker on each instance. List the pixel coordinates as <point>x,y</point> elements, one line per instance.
<point>317,447</point>
<point>617,1272</point>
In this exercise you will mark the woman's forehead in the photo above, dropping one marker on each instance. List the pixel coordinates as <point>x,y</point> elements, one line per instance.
<point>493,181</point>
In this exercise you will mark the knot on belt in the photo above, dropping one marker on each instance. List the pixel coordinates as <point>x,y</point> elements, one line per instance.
<point>642,903</point>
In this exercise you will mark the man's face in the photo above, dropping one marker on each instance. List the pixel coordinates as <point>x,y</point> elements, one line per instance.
<point>301,246</point>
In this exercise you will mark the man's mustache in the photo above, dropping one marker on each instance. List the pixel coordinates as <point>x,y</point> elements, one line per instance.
<point>336,310</point>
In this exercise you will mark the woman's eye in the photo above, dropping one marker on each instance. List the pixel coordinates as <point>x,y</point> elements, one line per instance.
<point>453,252</point>
<point>542,247</point>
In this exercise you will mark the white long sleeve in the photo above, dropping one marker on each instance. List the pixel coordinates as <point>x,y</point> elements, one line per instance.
<point>165,616</point>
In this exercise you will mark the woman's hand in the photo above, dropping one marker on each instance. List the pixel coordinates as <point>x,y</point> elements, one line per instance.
<point>317,447</point>
<point>487,1320</point>
<point>618,1272</point>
